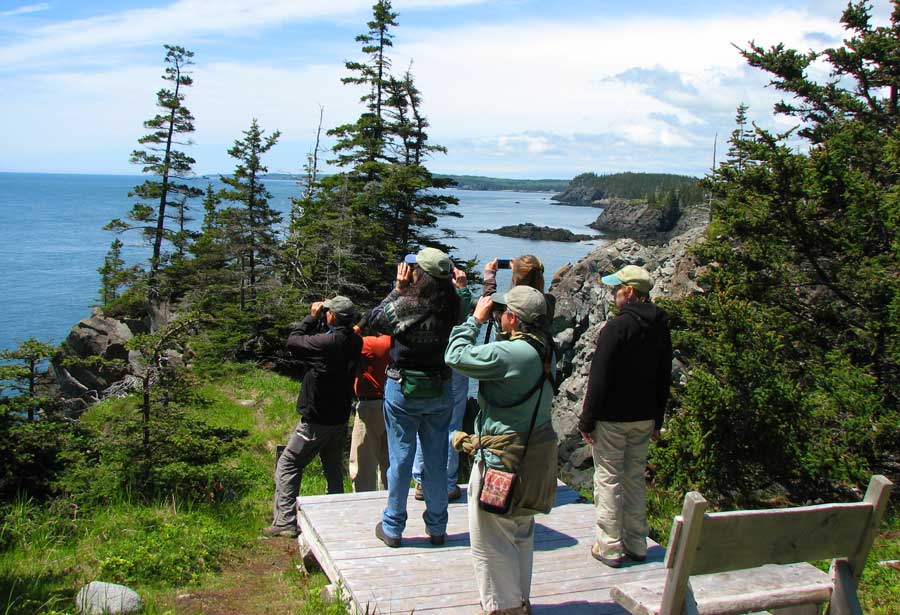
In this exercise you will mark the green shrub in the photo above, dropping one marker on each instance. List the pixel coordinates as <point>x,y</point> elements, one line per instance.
<point>190,459</point>
<point>160,548</point>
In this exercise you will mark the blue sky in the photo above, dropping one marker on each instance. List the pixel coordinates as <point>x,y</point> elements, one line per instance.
<point>513,88</point>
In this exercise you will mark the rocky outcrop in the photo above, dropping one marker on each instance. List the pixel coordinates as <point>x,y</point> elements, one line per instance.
<point>539,233</point>
<point>582,195</point>
<point>93,356</point>
<point>582,309</point>
<point>649,224</point>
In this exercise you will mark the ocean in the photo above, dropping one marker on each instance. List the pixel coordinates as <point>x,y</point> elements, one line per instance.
<point>53,242</point>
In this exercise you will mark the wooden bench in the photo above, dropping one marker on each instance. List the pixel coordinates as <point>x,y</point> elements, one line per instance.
<point>756,560</point>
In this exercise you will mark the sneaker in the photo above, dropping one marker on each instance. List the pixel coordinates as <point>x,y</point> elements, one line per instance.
<point>612,562</point>
<point>635,557</point>
<point>390,541</point>
<point>420,493</point>
<point>438,540</point>
<point>277,531</point>
<point>454,494</point>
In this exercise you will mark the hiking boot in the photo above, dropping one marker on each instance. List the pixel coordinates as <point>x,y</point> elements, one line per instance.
<point>612,562</point>
<point>278,531</point>
<point>454,494</point>
<point>437,540</point>
<point>635,557</point>
<point>420,493</point>
<point>390,541</point>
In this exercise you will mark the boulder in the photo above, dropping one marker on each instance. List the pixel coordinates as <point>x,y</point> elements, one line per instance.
<point>99,598</point>
<point>96,336</point>
<point>583,306</point>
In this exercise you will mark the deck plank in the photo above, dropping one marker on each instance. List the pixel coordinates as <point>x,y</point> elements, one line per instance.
<point>425,579</point>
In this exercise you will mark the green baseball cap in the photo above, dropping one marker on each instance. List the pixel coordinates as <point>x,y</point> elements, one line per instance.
<point>630,275</point>
<point>434,262</point>
<point>525,302</point>
<point>341,306</point>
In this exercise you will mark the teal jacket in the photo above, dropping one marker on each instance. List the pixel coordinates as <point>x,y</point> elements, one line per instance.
<point>507,370</point>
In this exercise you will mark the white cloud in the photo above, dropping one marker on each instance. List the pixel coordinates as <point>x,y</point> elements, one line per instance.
<point>593,95</point>
<point>183,19</point>
<point>26,9</point>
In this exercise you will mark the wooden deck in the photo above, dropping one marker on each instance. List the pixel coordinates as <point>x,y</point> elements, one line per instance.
<point>429,580</point>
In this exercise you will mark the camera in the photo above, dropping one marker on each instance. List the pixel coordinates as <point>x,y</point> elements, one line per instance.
<point>410,259</point>
<point>503,263</point>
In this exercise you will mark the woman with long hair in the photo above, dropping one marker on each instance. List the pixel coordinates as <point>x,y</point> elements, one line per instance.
<point>527,270</point>
<point>418,315</point>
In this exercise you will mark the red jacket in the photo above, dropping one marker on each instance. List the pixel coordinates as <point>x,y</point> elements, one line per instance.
<point>372,366</point>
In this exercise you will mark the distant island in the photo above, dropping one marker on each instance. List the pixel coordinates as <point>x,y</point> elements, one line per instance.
<point>539,233</point>
<point>592,190</point>
<point>477,182</point>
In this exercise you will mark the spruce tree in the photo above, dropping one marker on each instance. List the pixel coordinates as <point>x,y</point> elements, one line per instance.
<point>253,222</point>
<point>22,374</point>
<point>794,352</point>
<point>161,159</point>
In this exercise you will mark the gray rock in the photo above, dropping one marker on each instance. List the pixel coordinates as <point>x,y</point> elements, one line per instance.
<point>96,336</point>
<point>98,597</point>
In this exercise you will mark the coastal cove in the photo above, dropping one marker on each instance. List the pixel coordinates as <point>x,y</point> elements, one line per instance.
<point>54,242</point>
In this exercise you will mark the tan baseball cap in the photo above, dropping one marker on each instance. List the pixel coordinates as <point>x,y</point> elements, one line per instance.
<point>630,275</point>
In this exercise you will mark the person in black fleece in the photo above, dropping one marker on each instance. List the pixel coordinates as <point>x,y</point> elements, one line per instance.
<point>627,392</point>
<point>325,403</point>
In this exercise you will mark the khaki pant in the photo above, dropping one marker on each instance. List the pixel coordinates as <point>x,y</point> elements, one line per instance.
<point>620,498</point>
<point>368,446</point>
<point>502,554</point>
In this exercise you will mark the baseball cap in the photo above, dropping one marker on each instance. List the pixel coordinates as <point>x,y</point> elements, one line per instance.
<point>526,302</point>
<point>630,275</point>
<point>434,262</point>
<point>341,306</point>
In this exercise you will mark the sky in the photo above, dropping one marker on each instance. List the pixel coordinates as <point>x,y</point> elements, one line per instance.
<point>513,88</point>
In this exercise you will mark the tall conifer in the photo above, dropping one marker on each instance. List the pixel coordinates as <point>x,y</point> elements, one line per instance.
<point>166,164</point>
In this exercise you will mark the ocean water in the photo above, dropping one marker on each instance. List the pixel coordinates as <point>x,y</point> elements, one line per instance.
<point>52,242</point>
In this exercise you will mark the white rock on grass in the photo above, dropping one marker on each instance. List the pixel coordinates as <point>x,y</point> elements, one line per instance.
<point>100,598</point>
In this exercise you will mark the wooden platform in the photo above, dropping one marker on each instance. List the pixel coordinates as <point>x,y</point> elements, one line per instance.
<point>429,580</point>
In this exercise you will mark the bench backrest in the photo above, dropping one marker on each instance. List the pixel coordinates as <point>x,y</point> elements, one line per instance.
<point>702,543</point>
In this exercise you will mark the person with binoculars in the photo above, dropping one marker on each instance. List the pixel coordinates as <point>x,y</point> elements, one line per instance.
<point>330,361</point>
<point>418,314</point>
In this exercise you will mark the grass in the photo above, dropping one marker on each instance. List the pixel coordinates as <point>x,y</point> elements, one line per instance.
<point>171,549</point>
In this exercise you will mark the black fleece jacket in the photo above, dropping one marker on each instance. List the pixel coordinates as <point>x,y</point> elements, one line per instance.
<point>631,371</point>
<point>329,360</point>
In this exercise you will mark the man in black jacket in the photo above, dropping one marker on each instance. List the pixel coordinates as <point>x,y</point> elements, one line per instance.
<point>627,392</point>
<point>329,360</point>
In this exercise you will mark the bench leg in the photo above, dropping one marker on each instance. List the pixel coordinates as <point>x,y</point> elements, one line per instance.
<point>844,600</point>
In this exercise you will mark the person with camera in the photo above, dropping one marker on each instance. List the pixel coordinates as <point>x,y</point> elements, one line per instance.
<point>418,315</point>
<point>515,446</point>
<point>330,363</point>
<point>627,392</point>
<point>527,270</point>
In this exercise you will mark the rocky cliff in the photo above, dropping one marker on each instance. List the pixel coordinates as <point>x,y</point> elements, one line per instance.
<point>651,224</point>
<point>582,309</point>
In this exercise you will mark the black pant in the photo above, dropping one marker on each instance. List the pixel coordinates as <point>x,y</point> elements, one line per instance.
<point>308,440</point>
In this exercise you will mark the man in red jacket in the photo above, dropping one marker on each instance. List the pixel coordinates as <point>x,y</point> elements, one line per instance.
<point>368,444</point>
<point>627,392</point>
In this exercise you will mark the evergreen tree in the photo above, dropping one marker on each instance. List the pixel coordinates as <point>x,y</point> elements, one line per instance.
<point>162,160</point>
<point>112,273</point>
<point>253,223</point>
<point>794,353</point>
<point>22,375</point>
<point>349,229</point>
